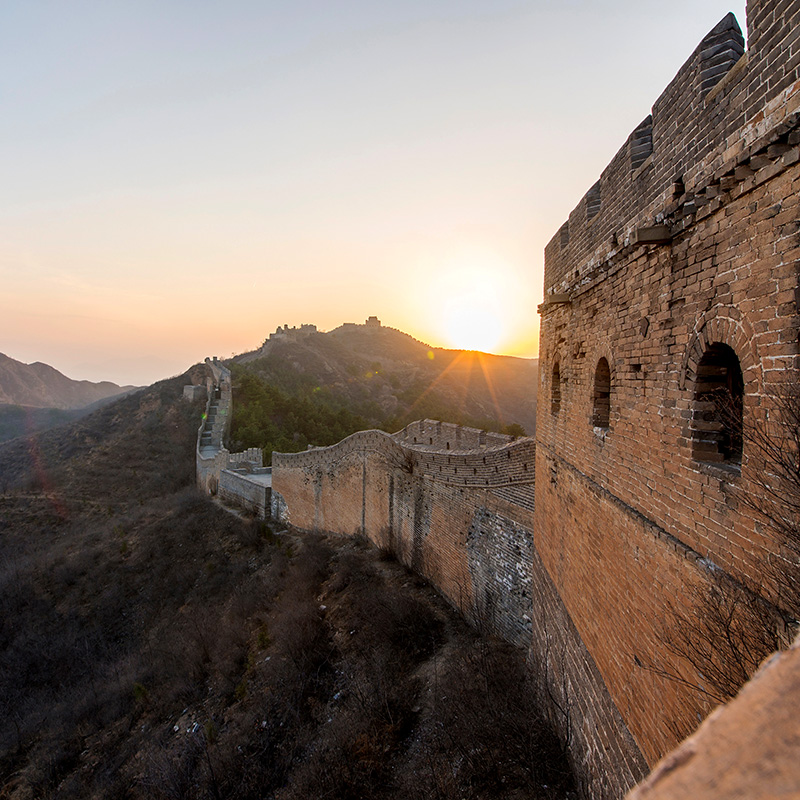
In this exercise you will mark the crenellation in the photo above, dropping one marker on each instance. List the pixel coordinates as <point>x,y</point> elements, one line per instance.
<point>630,191</point>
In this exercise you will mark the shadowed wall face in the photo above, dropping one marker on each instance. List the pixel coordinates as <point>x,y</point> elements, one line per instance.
<point>683,285</point>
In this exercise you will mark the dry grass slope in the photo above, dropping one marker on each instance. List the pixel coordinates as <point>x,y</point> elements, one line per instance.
<point>154,646</point>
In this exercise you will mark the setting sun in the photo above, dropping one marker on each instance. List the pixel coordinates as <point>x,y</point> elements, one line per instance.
<point>472,298</point>
<point>472,322</point>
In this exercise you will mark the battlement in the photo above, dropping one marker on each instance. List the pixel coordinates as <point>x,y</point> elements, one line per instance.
<point>438,451</point>
<point>292,334</point>
<point>707,124</point>
<point>446,436</point>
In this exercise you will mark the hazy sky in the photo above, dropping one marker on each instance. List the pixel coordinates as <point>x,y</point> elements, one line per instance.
<point>178,178</point>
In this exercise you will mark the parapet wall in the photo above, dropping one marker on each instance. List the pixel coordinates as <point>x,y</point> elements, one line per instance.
<point>746,749</point>
<point>457,506</point>
<point>711,119</point>
<point>448,436</point>
<point>440,451</point>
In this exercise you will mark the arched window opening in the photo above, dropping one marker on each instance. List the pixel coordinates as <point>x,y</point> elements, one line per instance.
<point>601,410</point>
<point>718,406</point>
<point>555,389</point>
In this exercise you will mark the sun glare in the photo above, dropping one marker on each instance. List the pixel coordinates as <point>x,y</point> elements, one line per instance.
<point>471,310</point>
<point>471,325</point>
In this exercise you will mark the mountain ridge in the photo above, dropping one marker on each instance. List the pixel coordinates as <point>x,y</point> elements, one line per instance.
<point>389,378</point>
<point>39,385</point>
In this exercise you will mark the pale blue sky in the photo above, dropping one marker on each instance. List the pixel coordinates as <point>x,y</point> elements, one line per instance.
<point>179,178</point>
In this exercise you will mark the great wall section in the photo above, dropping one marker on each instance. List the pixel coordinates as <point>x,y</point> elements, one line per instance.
<point>238,479</point>
<point>676,276</point>
<point>439,497</point>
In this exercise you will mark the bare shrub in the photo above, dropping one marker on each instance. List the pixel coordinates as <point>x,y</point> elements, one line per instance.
<point>728,626</point>
<point>485,730</point>
<point>722,636</point>
<point>772,440</point>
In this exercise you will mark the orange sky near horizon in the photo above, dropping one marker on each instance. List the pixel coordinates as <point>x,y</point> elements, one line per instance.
<point>180,180</point>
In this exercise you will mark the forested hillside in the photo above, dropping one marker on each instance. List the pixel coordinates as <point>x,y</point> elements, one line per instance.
<point>323,386</point>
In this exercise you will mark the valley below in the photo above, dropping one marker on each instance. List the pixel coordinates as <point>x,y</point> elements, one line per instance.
<point>154,645</point>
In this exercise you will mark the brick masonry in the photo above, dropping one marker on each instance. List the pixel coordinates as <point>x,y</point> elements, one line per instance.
<point>454,503</point>
<point>247,488</point>
<point>628,516</point>
<point>687,244</point>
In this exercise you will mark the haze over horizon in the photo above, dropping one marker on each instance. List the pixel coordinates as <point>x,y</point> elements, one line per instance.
<point>180,180</point>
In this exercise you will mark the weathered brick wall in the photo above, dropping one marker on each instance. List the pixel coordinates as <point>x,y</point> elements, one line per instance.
<point>248,491</point>
<point>628,518</point>
<point>604,755</point>
<point>463,518</point>
<point>499,552</point>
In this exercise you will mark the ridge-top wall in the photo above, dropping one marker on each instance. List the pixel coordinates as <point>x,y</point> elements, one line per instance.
<point>236,478</point>
<point>422,503</point>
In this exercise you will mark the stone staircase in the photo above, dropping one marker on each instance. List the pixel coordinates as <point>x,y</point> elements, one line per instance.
<point>214,426</point>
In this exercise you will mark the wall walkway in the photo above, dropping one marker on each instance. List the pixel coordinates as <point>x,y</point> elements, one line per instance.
<point>238,479</point>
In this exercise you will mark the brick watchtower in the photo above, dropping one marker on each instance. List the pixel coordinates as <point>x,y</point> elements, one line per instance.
<point>674,282</point>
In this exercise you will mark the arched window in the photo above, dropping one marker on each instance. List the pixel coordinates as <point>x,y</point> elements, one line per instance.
<point>602,395</point>
<point>718,405</point>
<point>555,389</point>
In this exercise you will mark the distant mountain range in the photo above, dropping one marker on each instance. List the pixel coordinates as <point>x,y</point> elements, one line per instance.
<point>35,397</point>
<point>39,385</point>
